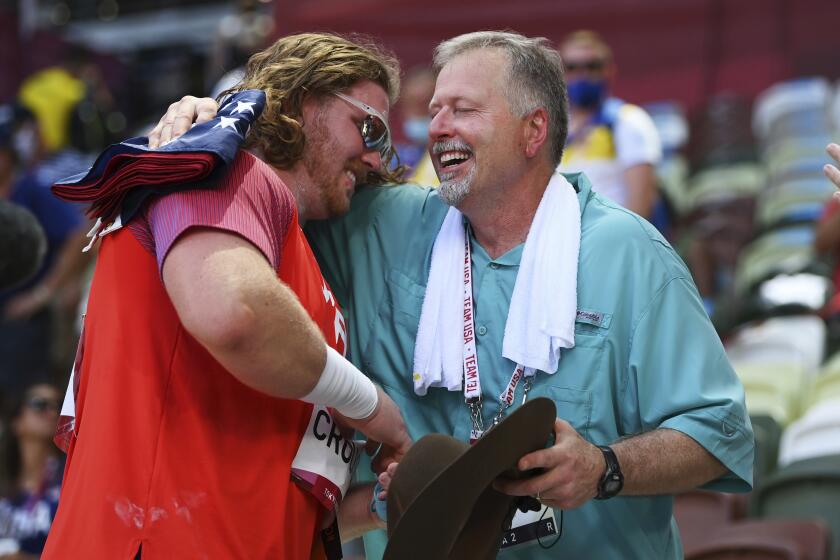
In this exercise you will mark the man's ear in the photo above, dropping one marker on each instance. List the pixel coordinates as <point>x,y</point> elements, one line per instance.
<point>536,131</point>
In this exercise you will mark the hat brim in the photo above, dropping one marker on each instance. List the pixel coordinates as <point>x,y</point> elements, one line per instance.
<point>458,514</point>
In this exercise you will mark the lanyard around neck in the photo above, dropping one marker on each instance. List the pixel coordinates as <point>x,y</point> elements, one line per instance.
<point>472,377</point>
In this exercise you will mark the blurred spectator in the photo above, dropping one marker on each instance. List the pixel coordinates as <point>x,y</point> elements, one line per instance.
<point>22,241</point>
<point>413,106</point>
<point>722,133</point>
<point>238,37</point>
<point>30,473</point>
<point>72,104</point>
<point>95,121</point>
<point>615,143</point>
<point>26,320</point>
<point>52,95</point>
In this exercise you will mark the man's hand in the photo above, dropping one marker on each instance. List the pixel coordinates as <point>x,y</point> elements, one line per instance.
<point>385,478</point>
<point>572,468</point>
<point>355,516</point>
<point>180,117</point>
<point>831,171</point>
<point>385,425</point>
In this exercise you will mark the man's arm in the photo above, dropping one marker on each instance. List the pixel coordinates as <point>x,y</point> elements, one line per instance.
<point>664,462</point>
<point>229,298</point>
<point>658,462</point>
<point>677,417</point>
<point>355,516</point>
<point>641,189</point>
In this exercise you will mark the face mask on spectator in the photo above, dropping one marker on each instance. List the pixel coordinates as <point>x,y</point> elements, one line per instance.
<point>587,93</point>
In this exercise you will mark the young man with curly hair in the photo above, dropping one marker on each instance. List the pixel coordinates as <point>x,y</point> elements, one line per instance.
<point>201,374</point>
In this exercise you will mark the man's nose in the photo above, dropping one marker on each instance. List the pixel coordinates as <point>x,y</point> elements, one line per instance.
<point>441,125</point>
<point>373,159</point>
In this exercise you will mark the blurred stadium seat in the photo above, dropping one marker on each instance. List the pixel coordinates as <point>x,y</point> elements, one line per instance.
<point>773,389</point>
<point>805,489</point>
<point>699,512</point>
<point>778,539</point>
<point>815,434</point>
<point>826,385</point>
<point>796,339</point>
<point>787,98</point>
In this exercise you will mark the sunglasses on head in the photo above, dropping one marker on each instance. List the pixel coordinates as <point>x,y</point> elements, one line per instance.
<point>374,128</point>
<point>588,65</point>
<point>43,404</point>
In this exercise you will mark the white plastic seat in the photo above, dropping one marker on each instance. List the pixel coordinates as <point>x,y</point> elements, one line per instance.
<point>815,434</point>
<point>826,385</point>
<point>790,339</point>
<point>772,389</point>
<point>787,97</point>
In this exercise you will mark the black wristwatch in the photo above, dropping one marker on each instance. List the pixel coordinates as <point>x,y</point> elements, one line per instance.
<point>613,481</point>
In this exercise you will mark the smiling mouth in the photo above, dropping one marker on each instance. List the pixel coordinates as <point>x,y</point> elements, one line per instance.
<point>453,158</point>
<point>352,176</point>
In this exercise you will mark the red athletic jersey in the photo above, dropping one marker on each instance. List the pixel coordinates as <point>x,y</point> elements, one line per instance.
<point>170,451</point>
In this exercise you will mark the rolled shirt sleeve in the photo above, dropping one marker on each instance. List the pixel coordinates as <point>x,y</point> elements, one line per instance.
<point>685,382</point>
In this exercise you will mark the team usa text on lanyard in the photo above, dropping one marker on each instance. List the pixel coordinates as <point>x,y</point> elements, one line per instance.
<point>472,379</point>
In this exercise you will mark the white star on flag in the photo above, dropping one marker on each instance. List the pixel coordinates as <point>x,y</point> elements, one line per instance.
<point>242,106</point>
<point>226,122</point>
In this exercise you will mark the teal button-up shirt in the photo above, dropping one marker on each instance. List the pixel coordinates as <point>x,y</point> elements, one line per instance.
<point>645,355</point>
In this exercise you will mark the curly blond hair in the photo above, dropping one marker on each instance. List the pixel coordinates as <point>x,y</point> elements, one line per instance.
<point>318,64</point>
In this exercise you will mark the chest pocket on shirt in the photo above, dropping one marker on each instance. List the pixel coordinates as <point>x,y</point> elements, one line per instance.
<point>573,405</point>
<point>406,297</point>
<point>591,328</point>
<point>581,373</point>
<point>390,349</point>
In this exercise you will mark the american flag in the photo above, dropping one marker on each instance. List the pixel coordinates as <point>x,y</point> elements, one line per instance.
<point>126,174</point>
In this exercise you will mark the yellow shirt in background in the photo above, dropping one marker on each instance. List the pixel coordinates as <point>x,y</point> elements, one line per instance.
<point>52,94</point>
<point>424,173</point>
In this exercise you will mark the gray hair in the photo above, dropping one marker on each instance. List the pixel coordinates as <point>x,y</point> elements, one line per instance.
<point>534,76</point>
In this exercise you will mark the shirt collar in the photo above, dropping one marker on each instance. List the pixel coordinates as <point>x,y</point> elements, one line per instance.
<point>481,258</point>
<point>512,258</point>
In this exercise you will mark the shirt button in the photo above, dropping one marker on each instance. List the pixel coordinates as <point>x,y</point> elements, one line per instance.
<point>482,330</point>
<point>494,266</point>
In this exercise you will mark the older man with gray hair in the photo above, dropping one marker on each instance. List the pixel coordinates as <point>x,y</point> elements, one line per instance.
<point>513,281</point>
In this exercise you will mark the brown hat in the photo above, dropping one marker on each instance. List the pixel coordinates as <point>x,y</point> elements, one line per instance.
<point>441,503</point>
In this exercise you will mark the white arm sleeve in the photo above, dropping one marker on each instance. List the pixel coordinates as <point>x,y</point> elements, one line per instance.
<point>344,388</point>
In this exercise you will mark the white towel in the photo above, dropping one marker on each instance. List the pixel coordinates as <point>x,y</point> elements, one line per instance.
<point>438,350</point>
<point>543,307</point>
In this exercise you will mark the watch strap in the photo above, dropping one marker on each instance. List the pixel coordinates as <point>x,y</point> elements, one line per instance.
<point>612,481</point>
